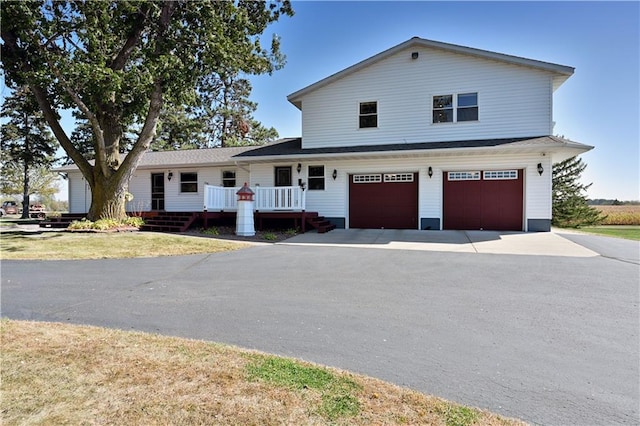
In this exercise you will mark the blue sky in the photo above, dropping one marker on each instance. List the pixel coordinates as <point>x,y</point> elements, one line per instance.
<point>598,105</point>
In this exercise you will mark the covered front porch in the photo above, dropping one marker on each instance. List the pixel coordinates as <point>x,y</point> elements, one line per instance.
<point>274,203</point>
<point>267,199</point>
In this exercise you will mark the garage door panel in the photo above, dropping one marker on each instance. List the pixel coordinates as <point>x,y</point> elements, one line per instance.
<point>458,197</point>
<point>502,205</point>
<point>375,205</point>
<point>493,203</point>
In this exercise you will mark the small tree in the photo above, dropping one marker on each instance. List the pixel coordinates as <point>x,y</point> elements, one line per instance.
<point>28,149</point>
<point>570,208</point>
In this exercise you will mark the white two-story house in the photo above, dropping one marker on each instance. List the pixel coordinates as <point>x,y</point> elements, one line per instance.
<point>425,135</point>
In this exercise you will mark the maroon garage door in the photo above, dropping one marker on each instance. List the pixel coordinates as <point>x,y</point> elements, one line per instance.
<point>383,200</point>
<point>490,200</point>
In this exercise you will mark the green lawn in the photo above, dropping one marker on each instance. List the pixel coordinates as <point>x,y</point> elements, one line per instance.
<point>116,245</point>
<point>627,232</point>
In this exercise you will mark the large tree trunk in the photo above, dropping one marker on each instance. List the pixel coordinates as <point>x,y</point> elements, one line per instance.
<point>108,197</point>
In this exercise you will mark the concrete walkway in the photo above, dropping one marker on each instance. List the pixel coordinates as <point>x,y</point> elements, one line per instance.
<point>494,242</point>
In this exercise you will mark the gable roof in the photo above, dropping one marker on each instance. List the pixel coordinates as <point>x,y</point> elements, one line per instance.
<point>561,72</point>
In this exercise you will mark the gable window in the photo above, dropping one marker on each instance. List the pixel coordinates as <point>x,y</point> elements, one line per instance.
<point>368,114</point>
<point>188,182</point>
<point>229,179</point>
<point>316,177</point>
<point>443,109</point>
<point>468,107</point>
<point>455,108</point>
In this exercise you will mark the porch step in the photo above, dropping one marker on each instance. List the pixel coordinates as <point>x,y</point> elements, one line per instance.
<point>168,221</point>
<point>320,224</point>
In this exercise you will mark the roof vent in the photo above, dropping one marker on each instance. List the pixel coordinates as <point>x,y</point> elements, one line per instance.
<point>414,55</point>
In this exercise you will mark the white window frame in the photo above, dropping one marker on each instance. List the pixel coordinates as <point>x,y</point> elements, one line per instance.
<point>323,177</point>
<point>463,175</point>
<point>452,108</point>
<point>224,179</point>
<point>455,107</point>
<point>398,177</point>
<point>458,107</point>
<point>367,178</point>
<point>182,182</point>
<point>376,114</point>
<point>500,175</point>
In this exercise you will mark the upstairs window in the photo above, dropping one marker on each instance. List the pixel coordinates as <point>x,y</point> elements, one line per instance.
<point>229,179</point>
<point>316,177</point>
<point>188,182</point>
<point>368,114</point>
<point>455,108</point>
<point>468,107</point>
<point>443,109</point>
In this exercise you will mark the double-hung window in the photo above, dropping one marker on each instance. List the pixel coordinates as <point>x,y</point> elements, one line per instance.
<point>455,108</point>
<point>188,182</point>
<point>229,179</point>
<point>467,107</point>
<point>368,114</point>
<point>316,177</point>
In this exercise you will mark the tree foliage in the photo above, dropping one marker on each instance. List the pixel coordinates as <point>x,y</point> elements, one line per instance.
<point>119,63</point>
<point>28,149</point>
<point>570,207</point>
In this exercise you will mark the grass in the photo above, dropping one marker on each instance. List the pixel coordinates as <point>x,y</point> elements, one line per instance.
<point>62,374</point>
<point>64,245</point>
<point>337,393</point>
<point>627,232</point>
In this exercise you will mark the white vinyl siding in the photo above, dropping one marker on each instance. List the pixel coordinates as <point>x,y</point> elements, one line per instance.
<point>513,101</point>
<point>79,193</point>
<point>140,187</point>
<point>334,200</point>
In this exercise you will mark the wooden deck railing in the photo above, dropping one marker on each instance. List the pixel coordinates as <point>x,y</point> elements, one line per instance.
<point>271,198</point>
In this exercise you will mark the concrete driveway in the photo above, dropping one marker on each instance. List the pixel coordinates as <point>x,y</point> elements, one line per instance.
<point>496,242</point>
<point>551,339</point>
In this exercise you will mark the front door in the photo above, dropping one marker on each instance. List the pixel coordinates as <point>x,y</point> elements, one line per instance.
<point>283,176</point>
<point>157,191</point>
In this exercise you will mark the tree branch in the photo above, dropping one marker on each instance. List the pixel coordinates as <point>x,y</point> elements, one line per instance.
<point>120,60</point>
<point>58,131</point>
<point>11,44</point>
<point>148,131</point>
<point>101,156</point>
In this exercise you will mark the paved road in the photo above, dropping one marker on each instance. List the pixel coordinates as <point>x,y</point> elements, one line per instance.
<point>552,340</point>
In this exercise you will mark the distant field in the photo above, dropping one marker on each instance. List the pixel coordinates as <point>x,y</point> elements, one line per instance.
<point>620,215</point>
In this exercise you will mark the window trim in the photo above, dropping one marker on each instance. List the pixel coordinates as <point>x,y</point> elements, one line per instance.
<point>457,115</point>
<point>500,174</point>
<point>367,178</point>
<point>235,178</point>
<point>361,115</point>
<point>434,109</point>
<point>455,107</point>
<point>459,175</point>
<point>183,182</point>
<point>323,177</point>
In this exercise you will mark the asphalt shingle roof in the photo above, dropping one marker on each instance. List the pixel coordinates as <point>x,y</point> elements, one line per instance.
<point>293,147</point>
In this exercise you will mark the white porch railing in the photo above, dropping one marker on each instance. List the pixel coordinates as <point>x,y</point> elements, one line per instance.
<point>270,198</point>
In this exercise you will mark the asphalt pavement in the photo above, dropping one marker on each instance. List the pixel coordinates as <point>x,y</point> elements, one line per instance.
<point>551,339</point>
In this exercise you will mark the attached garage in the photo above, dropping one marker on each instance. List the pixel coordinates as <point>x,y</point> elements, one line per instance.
<point>488,200</point>
<point>383,200</point>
